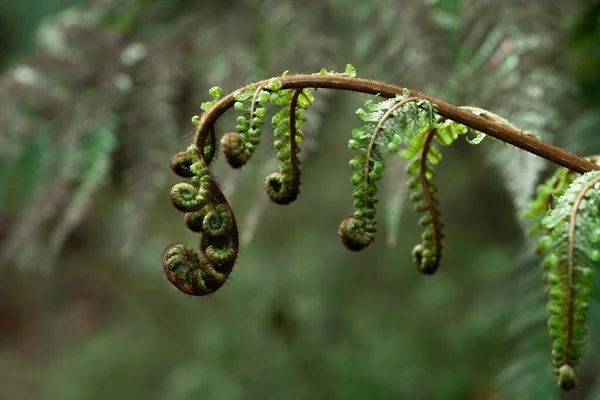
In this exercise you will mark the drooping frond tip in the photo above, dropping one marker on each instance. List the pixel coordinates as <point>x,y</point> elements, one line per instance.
<point>572,248</point>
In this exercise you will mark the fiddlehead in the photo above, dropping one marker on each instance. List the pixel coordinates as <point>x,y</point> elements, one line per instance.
<point>239,146</point>
<point>423,155</point>
<point>208,213</point>
<point>385,124</point>
<point>283,187</point>
<point>428,253</point>
<point>572,247</point>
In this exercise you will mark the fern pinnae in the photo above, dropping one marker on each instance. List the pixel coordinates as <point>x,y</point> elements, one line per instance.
<point>572,245</point>
<point>239,146</point>
<point>379,127</point>
<point>427,255</point>
<point>358,230</point>
<point>283,187</point>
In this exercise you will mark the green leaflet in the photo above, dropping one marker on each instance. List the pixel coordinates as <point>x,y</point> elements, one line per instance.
<point>349,71</point>
<point>571,248</point>
<point>217,94</point>
<point>547,193</point>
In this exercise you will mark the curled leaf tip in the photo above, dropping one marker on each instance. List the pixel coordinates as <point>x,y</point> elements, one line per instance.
<point>232,147</point>
<point>354,235</point>
<point>567,379</point>
<point>194,220</point>
<point>185,197</point>
<point>217,222</point>
<point>181,264</point>
<point>424,259</point>
<point>279,189</point>
<point>180,164</point>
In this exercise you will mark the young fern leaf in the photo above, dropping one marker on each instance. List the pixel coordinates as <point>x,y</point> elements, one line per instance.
<point>385,124</point>
<point>207,212</point>
<point>572,248</point>
<point>423,155</point>
<point>239,146</point>
<point>283,187</point>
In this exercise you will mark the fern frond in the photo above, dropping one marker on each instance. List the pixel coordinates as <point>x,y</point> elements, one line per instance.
<point>283,187</point>
<point>239,146</point>
<point>423,155</point>
<point>380,129</point>
<point>572,248</point>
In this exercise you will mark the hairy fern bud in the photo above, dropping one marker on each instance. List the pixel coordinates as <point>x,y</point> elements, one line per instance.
<point>185,197</point>
<point>217,221</point>
<point>354,234</point>
<point>180,163</point>
<point>232,147</point>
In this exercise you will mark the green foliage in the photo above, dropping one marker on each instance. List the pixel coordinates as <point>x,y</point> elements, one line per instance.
<point>403,118</point>
<point>385,126</point>
<point>161,56</point>
<point>572,247</point>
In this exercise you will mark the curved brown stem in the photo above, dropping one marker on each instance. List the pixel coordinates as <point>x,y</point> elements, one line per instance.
<point>489,126</point>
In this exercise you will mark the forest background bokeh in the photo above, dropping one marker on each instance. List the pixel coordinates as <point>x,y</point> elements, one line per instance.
<point>96,97</point>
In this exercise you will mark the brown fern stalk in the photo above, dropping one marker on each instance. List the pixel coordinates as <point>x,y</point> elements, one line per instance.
<point>489,126</point>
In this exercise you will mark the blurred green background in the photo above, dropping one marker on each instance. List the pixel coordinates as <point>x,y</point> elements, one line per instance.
<point>95,98</point>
